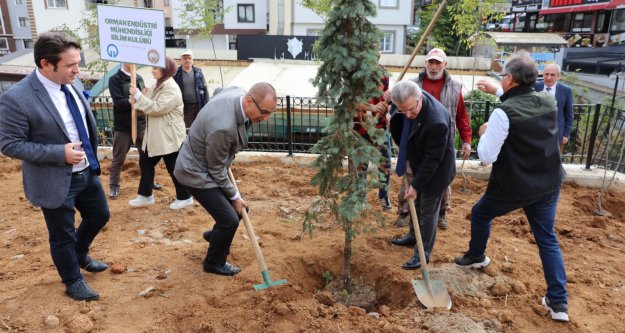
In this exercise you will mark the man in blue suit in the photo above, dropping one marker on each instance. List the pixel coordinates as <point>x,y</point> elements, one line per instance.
<point>564,99</point>
<point>46,122</point>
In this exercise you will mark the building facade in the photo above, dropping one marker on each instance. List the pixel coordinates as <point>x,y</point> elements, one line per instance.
<point>289,17</point>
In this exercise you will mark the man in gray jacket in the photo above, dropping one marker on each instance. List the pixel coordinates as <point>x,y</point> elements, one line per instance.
<point>216,135</point>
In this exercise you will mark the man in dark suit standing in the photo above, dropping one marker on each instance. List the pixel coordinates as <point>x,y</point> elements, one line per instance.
<point>46,122</point>
<point>216,135</point>
<point>564,99</point>
<point>422,128</point>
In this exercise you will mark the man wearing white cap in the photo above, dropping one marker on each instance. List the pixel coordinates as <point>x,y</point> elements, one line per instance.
<point>190,79</point>
<point>436,80</point>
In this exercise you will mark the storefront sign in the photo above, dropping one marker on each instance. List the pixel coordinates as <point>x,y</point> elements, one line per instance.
<point>578,40</point>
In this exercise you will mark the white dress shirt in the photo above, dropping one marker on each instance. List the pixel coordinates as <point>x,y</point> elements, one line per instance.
<point>58,98</point>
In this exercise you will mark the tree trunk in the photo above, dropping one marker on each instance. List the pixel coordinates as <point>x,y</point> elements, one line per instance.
<point>347,256</point>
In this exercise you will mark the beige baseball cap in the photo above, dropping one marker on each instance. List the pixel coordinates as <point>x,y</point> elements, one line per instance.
<point>436,54</point>
<point>187,52</point>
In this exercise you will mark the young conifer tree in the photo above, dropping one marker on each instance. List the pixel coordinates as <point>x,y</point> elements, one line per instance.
<point>349,75</point>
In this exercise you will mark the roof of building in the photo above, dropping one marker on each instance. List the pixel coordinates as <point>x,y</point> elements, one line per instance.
<point>530,38</point>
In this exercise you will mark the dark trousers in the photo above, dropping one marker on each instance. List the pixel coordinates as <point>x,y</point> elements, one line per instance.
<point>427,207</point>
<point>190,113</point>
<point>69,246</point>
<point>147,165</point>
<point>121,146</point>
<point>226,222</point>
<point>541,213</point>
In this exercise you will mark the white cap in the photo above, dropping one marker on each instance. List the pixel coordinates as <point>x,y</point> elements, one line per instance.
<point>187,52</point>
<point>436,54</point>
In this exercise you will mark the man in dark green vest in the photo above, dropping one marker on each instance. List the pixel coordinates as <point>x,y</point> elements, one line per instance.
<point>521,141</point>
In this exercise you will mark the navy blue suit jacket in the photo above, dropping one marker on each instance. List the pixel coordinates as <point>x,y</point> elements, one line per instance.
<point>32,130</point>
<point>430,146</point>
<point>564,99</point>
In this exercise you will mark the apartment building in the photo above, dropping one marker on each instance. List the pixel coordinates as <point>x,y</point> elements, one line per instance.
<point>233,17</point>
<point>289,17</point>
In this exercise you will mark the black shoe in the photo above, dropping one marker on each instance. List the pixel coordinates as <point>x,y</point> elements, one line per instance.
<point>207,235</point>
<point>156,186</point>
<point>80,291</point>
<point>413,263</point>
<point>114,193</point>
<point>93,266</point>
<point>225,269</point>
<point>471,262</point>
<point>404,241</point>
<point>558,311</point>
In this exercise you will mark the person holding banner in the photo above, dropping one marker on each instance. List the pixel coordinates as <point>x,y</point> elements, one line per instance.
<point>217,134</point>
<point>164,133</point>
<point>46,122</point>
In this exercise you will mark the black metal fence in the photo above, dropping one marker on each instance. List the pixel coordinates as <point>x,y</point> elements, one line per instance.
<point>299,122</point>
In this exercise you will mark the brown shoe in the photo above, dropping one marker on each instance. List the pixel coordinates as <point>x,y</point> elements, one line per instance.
<point>442,222</point>
<point>402,220</point>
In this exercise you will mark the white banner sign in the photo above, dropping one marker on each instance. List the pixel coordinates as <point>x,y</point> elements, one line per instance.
<point>132,35</point>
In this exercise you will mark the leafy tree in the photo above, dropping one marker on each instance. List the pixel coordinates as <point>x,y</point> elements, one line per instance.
<point>200,17</point>
<point>320,7</point>
<point>465,18</point>
<point>88,36</point>
<point>349,75</point>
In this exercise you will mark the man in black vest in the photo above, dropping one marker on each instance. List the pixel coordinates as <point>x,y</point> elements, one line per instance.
<point>422,129</point>
<point>521,140</point>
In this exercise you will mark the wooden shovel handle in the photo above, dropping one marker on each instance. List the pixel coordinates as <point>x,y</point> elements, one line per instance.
<point>250,229</point>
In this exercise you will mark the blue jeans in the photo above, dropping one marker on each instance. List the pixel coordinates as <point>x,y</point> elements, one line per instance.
<point>540,214</point>
<point>69,246</point>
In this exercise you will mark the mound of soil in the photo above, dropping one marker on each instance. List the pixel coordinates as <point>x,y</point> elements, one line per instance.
<point>156,282</point>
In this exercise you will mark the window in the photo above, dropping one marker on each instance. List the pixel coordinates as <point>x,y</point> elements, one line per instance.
<point>19,2</point>
<point>23,21</point>
<point>388,3</point>
<point>582,22</point>
<point>4,43</point>
<point>312,32</point>
<point>56,3</point>
<point>166,3</point>
<point>245,13</point>
<point>603,19</point>
<point>386,44</point>
<point>168,22</point>
<point>28,43</point>
<point>618,20</point>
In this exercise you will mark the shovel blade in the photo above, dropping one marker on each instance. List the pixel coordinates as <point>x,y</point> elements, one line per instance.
<point>437,297</point>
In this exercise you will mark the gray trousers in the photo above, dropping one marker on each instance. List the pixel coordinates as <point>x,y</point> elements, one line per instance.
<point>402,204</point>
<point>121,145</point>
<point>427,206</point>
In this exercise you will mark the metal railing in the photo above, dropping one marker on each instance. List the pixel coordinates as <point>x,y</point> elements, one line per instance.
<point>299,122</point>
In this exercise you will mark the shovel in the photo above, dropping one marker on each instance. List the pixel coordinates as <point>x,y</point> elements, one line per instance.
<point>259,255</point>
<point>431,293</point>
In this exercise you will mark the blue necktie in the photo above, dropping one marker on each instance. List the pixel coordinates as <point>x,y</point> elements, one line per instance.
<point>400,168</point>
<point>80,126</point>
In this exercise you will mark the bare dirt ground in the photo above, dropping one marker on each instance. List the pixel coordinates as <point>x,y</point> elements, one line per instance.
<point>160,285</point>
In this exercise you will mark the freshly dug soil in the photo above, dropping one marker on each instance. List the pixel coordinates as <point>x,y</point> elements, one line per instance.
<point>156,282</point>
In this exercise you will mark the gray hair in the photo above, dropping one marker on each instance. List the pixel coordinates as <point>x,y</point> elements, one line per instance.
<point>403,90</point>
<point>522,68</point>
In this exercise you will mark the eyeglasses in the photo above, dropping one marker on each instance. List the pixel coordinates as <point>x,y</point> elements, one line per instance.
<point>262,111</point>
<point>415,108</point>
<point>503,75</point>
